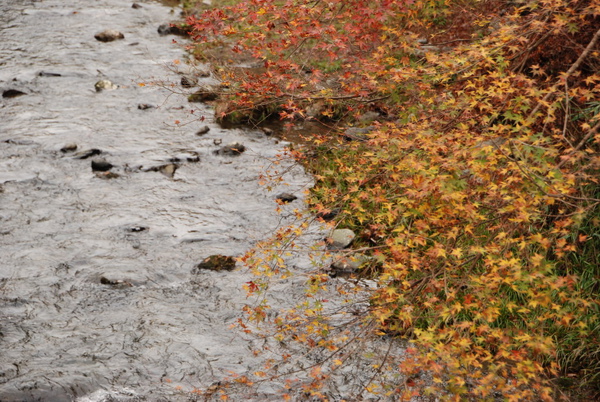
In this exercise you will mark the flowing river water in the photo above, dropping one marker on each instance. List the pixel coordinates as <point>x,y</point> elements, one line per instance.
<point>97,296</point>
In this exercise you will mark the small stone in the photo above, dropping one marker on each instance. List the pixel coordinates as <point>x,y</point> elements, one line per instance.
<point>116,283</point>
<point>68,148</point>
<point>170,29</point>
<point>349,265</point>
<point>233,149</point>
<point>136,6</point>
<point>107,175</point>
<point>340,239</point>
<point>101,165</point>
<point>87,153</point>
<point>109,35</point>
<point>168,170</point>
<point>12,93</point>
<point>284,198</point>
<point>328,215</point>
<point>217,141</point>
<point>358,134</point>
<point>267,131</point>
<point>105,85</point>
<point>49,74</point>
<point>204,94</point>
<point>136,229</point>
<point>144,106</point>
<point>188,82</point>
<point>216,263</point>
<point>203,130</point>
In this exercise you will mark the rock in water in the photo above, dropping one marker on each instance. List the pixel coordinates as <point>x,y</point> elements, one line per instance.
<point>101,165</point>
<point>216,263</point>
<point>340,238</point>
<point>109,35</point>
<point>105,84</point>
<point>284,198</point>
<point>233,149</point>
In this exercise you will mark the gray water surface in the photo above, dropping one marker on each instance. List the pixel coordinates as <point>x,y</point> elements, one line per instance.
<point>97,297</point>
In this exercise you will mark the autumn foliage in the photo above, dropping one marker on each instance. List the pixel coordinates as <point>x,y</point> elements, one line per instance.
<point>475,189</point>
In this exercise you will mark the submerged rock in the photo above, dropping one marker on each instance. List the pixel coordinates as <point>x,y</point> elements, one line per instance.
<point>328,215</point>
<point>167,170</point>
<point>136,6</point>
<point>215,262</point>
<point>188,81</point>
<point>340,239</point>
<point>233,149</point>
<point>49,74</point>
<point>109,35</point>
<point>144,106</point>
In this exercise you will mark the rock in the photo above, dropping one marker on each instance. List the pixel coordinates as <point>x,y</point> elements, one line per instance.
<point>217,141</point>
<point>191,156</point>
<point>136,6</point>
<point>358,133</point>
<point>168,170</point>
<point>203,130</point>
<point>68,148</point>
<point>328,215</point>
<point>101,165</point>
<point>205,94</point>
<point>233,149</point>
<point>267,131</point>
<point>87,153</point>
<point>109,35</point>
<point>49,74</point>
<point>171,29</point>
<point>340,239</point>
<point>105,84</point>
<point>116,283</point>
<point>369,116</point>
<point>348,265</point>
<point>107,175</point>
<point>144,106</point>
<point>188,81</point>
<point>284,198</point>
<point>12,93</point>
<point>215,263</point>
<point>136,229</point>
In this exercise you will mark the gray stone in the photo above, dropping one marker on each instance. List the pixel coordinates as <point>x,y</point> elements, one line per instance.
<point>109,35</point>
<point>348,265</point>
<point>340,239</point>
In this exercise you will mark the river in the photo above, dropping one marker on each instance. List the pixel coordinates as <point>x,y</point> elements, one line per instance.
<point>98,301</point>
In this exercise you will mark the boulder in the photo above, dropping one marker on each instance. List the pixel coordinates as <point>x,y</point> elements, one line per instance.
<point>109,35</point>
<point>205,94</point>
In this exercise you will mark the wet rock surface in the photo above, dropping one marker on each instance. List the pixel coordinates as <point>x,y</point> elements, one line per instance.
<point>97,301</point>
